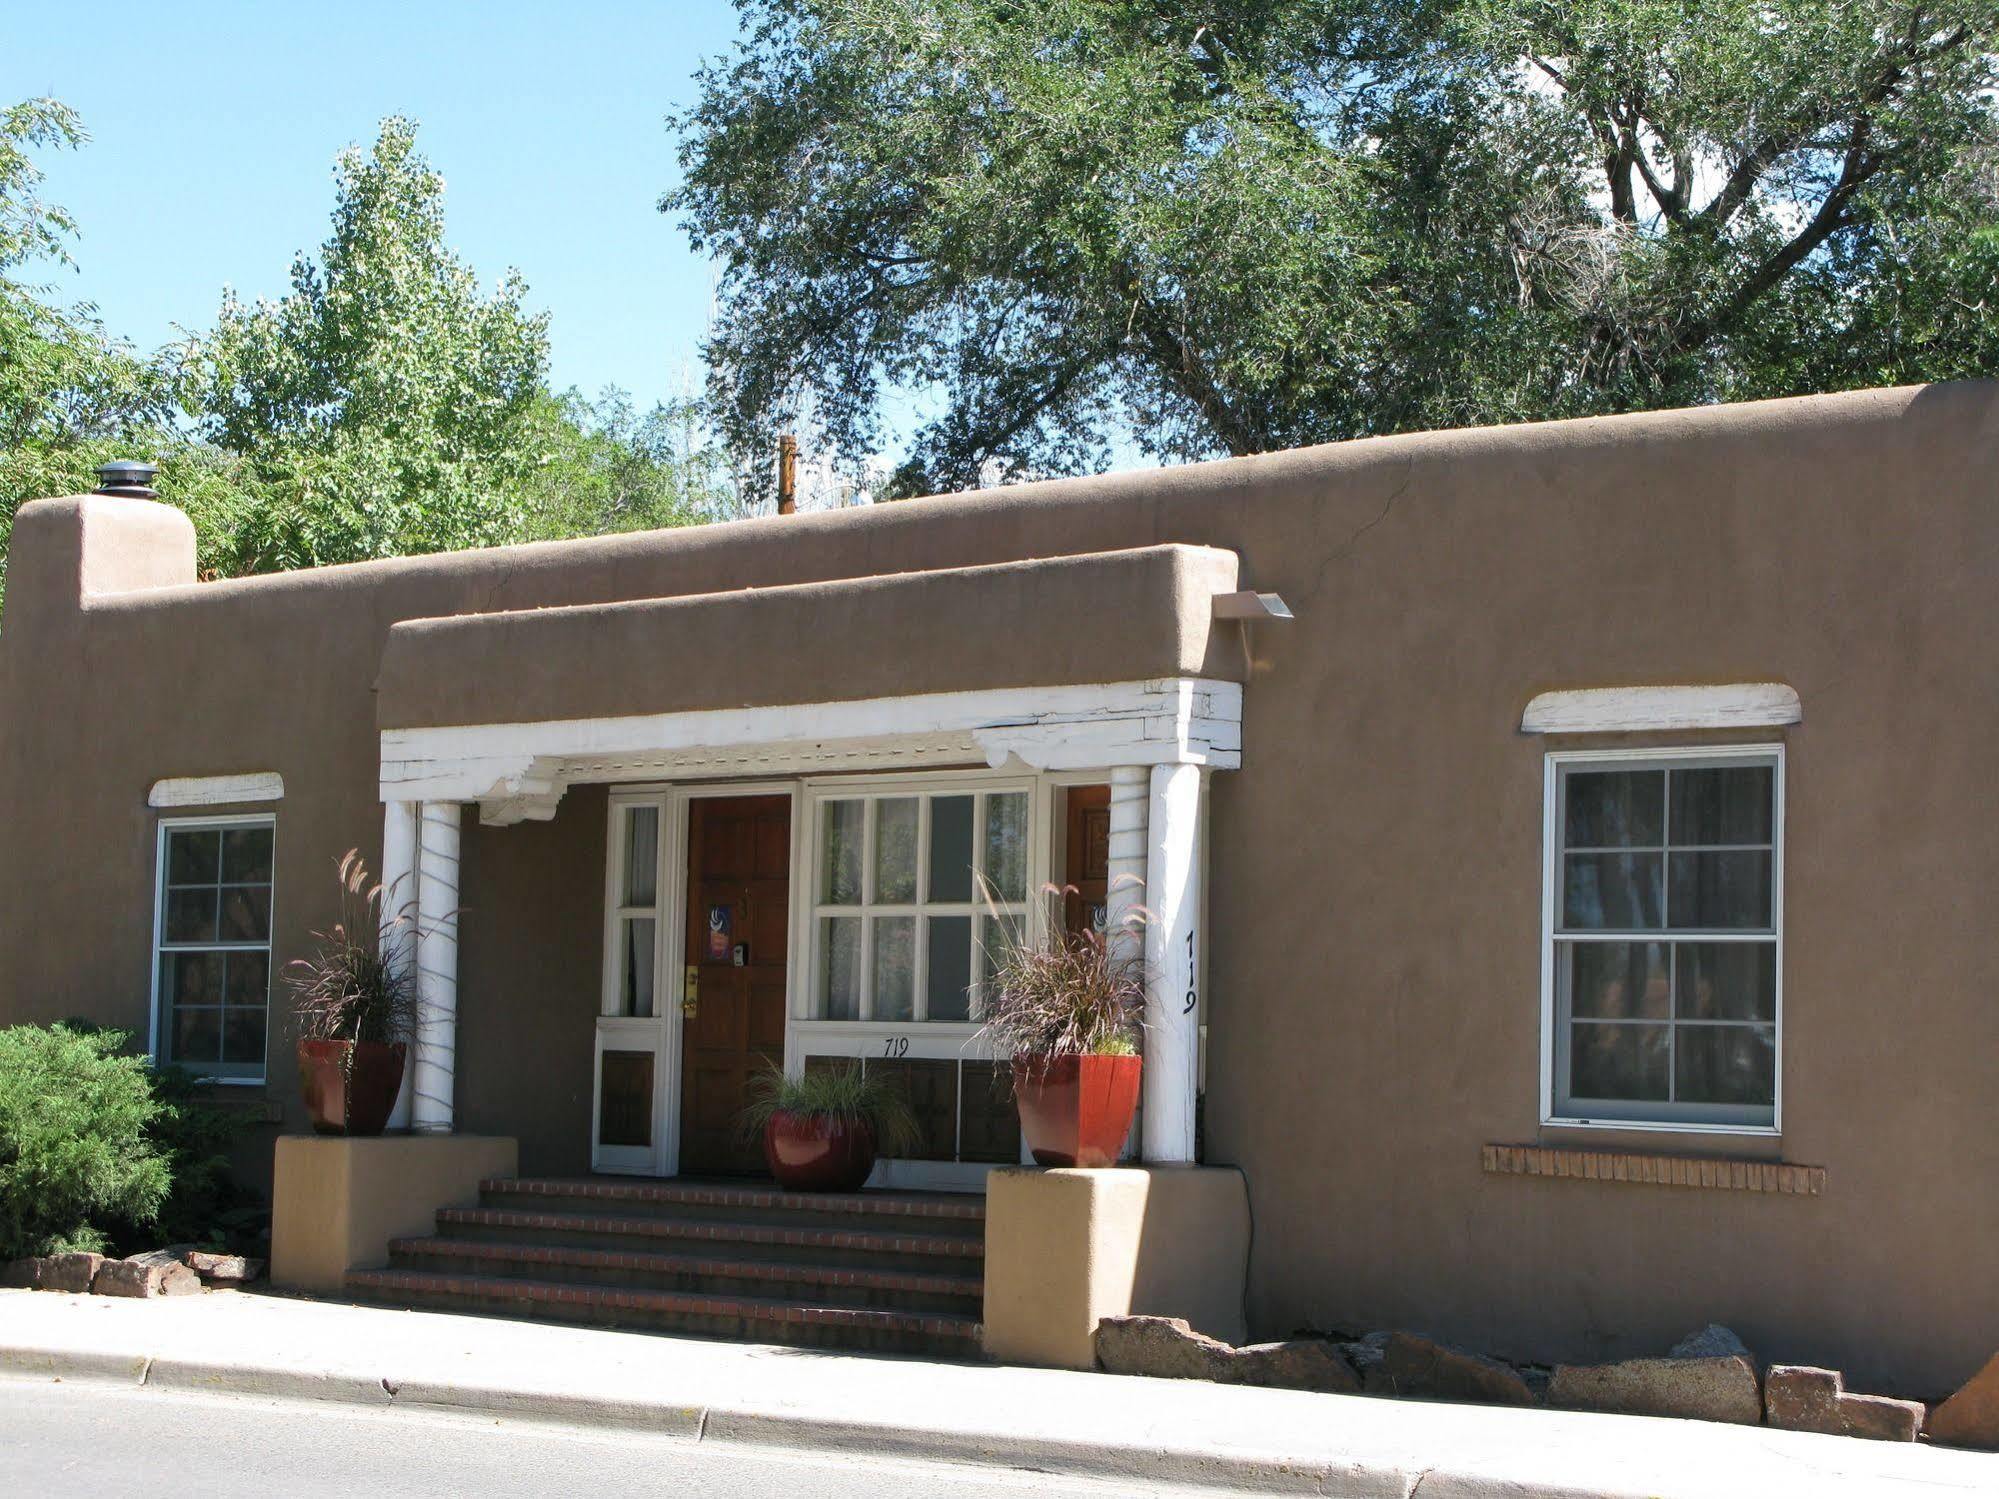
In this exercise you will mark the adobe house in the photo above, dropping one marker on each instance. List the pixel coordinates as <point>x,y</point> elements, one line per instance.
<point>1572,850</point>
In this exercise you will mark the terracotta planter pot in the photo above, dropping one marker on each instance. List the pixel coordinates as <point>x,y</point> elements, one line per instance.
<point>1076,1111</point>
<point>350,1099</point>
<point>818,1153</point>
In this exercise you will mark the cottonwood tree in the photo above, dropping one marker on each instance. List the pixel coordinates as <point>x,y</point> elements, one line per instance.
<point>1231,227</point>
<point>387,403</point>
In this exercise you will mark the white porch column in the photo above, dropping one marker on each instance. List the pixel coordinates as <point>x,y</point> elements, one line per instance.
<point>1125,886</point>
<point>1172,1020</point>
<point>436,965</point>
<point>398,875</point>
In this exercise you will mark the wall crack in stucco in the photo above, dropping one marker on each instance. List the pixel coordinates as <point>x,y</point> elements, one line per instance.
<point>1345,549</point>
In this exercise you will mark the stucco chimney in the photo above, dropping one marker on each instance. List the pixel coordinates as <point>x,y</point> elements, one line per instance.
<point>116,540</point>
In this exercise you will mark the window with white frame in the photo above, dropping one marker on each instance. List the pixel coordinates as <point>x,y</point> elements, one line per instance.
<point>911,887</point>
<point>636,892</point>
<point>1663,937</point>
<point>212,950</point>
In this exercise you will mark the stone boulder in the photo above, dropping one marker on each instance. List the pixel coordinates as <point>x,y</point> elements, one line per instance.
<point>1708,1376</point>
<point>223,1269</point>
<point>53,1272</point>
<point>71,1272</point>
<point>1413,1365</point>
<point>1169,1348</point>
<point>1299,1364</point>
<point>1970,1418</point>
<point>153,1274</point>
<point>22,1275</point>
<point>1797,1397</point>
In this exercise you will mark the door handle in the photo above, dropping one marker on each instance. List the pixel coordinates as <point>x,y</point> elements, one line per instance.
<point>690,992</point>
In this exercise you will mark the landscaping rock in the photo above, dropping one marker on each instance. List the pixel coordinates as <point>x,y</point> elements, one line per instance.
<point>1300,1364</point>
<point>1412,1365</point>
<point>1712,1341</point>
<point>1365,1354</point>
<point>1169,1348</point>
<point>224,1269</point>
<point>70,1272</point>
<point>173,1254</point>
<point>1162,1347</point>
<point>1708,1376</point>
<point>1970,1418</point>
<point>1799,1398</point>
<point>145,1275</point>
<point>21,1275</point>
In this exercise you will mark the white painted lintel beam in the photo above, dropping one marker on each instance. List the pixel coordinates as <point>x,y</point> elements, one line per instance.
<point>1622,710</point>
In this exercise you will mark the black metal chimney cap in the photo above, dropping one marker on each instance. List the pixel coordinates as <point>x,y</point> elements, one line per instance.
<point>128,476</point>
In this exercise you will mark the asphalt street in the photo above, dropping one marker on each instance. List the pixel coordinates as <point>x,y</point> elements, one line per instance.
<point>83,1440</point>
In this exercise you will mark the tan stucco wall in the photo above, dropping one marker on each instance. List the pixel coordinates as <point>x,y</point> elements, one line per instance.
<point>1065,1249</point>
<point>1374,879</point>
<point>337,1201</point>
<point>1014,625</point>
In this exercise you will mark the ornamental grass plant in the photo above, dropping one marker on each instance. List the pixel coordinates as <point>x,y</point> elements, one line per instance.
<point>1054,993</point>
<point>359,983</point>
<point>845,1092</point>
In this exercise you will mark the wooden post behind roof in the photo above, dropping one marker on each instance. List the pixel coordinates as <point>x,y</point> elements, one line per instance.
<point>787,475</point>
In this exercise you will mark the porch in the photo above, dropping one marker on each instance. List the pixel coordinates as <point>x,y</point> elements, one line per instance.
<point>803,884</point>
<point>797,881</point>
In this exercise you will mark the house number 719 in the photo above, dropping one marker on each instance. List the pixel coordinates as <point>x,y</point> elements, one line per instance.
<point>1192,997</point>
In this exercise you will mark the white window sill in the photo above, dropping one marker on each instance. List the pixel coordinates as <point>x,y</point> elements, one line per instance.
<point>1642,1127</point>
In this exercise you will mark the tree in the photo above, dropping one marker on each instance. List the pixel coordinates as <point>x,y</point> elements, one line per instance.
<point>385,405</point>
<point>1248,225</point>
<point>610,467</point>
<point>69,393</point>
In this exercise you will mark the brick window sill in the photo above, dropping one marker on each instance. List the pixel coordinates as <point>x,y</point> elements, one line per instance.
<point>1720,1173</point>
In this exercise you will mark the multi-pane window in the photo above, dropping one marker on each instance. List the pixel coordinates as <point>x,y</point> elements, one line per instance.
<point>635,909</point>
<point>213,959</point>
<point>1664,941</point>
<point>910,890</point>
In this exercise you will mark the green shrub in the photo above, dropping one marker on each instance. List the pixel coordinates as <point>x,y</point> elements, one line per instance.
<point>205,1205</point>
<point>74,1150</point>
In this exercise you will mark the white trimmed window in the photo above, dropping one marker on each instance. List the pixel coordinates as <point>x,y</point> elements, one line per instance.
<point>1663,938</point>
<point>899,923</point>
<point>212,945</point>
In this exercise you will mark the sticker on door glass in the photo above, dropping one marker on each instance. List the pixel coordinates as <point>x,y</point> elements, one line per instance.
<point>721,929</point>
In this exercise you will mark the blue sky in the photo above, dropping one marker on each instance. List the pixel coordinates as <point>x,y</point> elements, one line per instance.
<point>214,128</point>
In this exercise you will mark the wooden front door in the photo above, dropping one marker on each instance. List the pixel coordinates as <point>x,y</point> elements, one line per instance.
<point>738,925</point>
<point>1086,880</point>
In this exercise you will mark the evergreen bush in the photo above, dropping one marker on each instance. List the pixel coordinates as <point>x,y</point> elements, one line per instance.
<point>74,1147</point>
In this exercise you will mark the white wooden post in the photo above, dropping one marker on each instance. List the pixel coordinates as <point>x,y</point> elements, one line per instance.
<point>1172,1020</point>
<point>399,892</point>
<point>436,966</point>
<point>1125,870</point>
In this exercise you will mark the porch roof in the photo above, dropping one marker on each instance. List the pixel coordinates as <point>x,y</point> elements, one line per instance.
<point>1146,613</point>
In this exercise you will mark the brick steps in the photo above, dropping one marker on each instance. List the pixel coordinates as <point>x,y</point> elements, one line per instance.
<point>745,1239</point>
<point>932,1212</point>
<point>762,1318</point>
<point>833,1285</point>
<point>895,1271</point>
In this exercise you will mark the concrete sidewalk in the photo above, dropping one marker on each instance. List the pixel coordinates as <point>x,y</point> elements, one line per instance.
<point>1148,1431</point>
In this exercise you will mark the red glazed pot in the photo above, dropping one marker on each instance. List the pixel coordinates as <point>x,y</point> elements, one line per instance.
<point>350,1098</point>
<point>818,1152</point>
<point>1076,1111</point>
